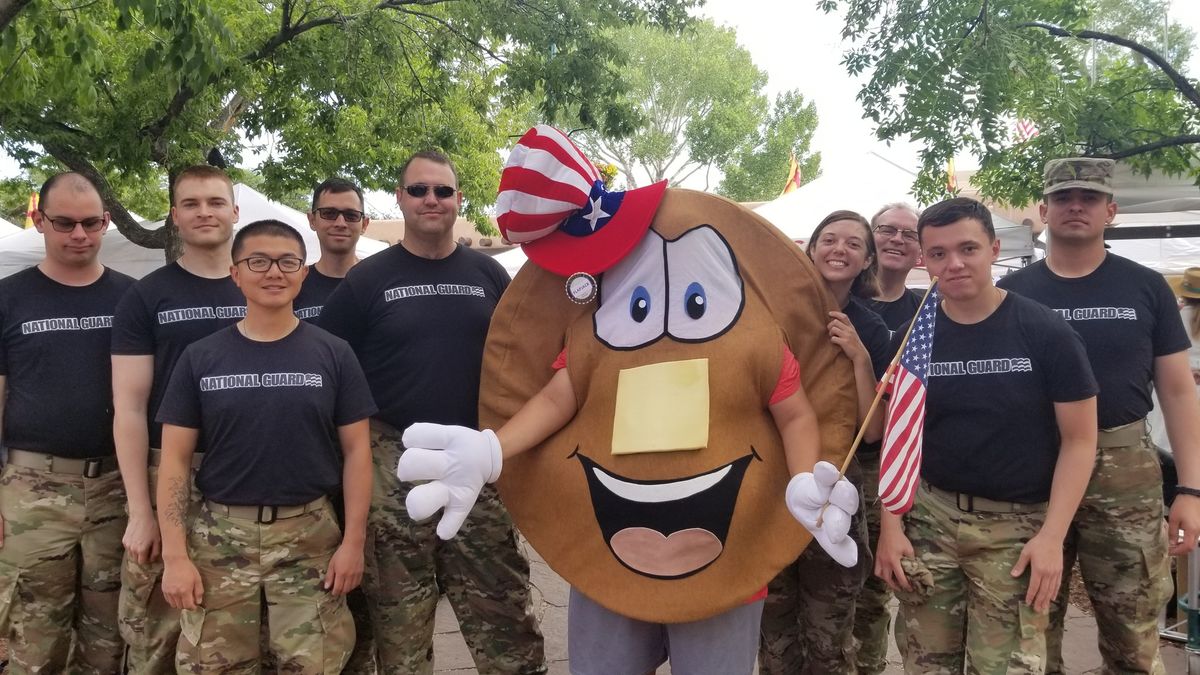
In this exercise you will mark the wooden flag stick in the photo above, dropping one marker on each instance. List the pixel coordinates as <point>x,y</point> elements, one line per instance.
<point>887,376</point>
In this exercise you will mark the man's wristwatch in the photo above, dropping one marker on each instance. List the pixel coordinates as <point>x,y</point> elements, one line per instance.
<point>1184,490</point>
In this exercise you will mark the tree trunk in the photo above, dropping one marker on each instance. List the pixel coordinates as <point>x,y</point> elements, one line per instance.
<point>9,9</point>
<point>172,244</point>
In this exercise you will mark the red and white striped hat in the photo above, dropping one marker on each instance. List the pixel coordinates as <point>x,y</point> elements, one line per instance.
<point>553,203</point>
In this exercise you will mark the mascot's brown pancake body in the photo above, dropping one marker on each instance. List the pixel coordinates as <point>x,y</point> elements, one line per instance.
<point>679,535</point>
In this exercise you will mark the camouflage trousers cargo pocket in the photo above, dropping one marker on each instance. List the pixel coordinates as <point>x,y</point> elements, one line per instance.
<point>9,575</point>
<point>337,627</point>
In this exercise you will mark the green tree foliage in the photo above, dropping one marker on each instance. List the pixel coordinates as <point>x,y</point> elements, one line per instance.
<point>701,105</point>
<point>956,75</point>
<point>129,91</point>
<point>760,169</point>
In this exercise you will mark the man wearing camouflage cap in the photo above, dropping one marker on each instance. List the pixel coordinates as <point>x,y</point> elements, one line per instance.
<point>1128,319</point>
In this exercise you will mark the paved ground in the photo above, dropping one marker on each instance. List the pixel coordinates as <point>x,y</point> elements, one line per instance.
<point>550,594</point>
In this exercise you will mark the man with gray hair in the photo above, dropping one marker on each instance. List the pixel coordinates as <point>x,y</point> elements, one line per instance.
<point>1136,343</point>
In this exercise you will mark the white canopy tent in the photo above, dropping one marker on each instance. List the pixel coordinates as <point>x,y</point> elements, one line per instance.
<point>26,247</point>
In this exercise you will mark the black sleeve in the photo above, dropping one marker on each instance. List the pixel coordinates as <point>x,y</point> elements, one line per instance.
<point>878,342</point>
<point>181,401</point>
<point>132,329</point>
<point>3,351</point>
<point>343,316</point>
<point>1064,361</point>
<point>354,401</point>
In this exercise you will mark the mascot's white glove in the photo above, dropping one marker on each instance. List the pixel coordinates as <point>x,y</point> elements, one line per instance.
<point>457,461</point>
<point>807,493</point>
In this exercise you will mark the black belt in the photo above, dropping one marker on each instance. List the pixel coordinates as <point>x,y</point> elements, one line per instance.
<point>88,468</point>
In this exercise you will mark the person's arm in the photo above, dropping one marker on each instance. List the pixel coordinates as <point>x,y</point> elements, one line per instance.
<point>1177,393</point>
<point>3,400</point>
<point>893,545</point>
<point>548,411</point>
<point>132,377</point>
<point>842,334</point>
<point>797,423</point>
<point>1043,554</point>
<point>346,566</point>
<point>181,584</point>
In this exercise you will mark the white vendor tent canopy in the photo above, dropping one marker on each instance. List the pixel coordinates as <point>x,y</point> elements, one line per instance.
<point>26,247</point>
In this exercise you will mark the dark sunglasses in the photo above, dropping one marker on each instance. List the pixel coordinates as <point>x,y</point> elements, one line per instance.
<point>419,191</point>
<point>330,213</point>
<point>65,225</point>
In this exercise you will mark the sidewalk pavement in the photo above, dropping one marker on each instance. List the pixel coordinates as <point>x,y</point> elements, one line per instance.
<point>550,598</point>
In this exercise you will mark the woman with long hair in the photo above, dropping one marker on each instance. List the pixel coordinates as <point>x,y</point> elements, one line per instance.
<point>808,618</point>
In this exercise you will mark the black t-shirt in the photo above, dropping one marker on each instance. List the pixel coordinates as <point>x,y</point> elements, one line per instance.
<point>162,314</point>
<point>898,312</point>
<point>990,426</point>
<point>270,412</point>
<point>54,353</point>
<point>1126,315</point>
<point>313,293</point>
<point>418,326</point>
<point>876,337</point>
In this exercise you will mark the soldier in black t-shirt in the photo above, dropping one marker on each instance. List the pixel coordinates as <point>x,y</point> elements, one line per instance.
<point>808,617</point>
<point>339,219</point>
<point>162,314</point>
<point>1128,319</point>
<point>61,503</point>
<point>417,315</point>
<point>283,408</point>
<point>1009,440</point>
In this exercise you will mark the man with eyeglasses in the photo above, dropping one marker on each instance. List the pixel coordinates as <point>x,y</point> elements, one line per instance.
<point>283,406</point>
<point>61,504</point>
<point>417,315</point>
<point>339,220</point>
<point>895,229</point>
<point>163,313</point>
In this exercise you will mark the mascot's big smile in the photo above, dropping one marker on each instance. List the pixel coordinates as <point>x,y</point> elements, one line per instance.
<point>665,529</point>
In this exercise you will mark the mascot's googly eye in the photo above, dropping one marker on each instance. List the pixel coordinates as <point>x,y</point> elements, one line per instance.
<point>633,298</point>
<point>703,284</point>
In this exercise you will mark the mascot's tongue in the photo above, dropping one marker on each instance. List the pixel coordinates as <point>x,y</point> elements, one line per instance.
<point>649,552</point>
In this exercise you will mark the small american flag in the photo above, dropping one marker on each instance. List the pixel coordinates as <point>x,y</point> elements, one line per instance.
<point>1025,130</point>
<point>900,462</point>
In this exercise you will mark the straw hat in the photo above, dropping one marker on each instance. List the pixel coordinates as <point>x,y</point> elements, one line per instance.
<point>1188,284</point>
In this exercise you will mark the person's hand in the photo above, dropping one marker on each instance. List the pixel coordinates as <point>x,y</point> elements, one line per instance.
<point>893,546</point>
<point>345,570</point>
<point>1183,525</point>
<point>842,334</point>
<point>824,505</point>
<point>457,461</point>
<point>1043,555</point>
<point>142,540</point>
<point>181,584</point>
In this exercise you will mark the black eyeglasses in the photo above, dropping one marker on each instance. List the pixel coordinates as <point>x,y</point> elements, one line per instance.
<point>261,263</point>
<point>419,190</point>
<point>65,225</point>
<point>350,215</point>
<point>889,231</point>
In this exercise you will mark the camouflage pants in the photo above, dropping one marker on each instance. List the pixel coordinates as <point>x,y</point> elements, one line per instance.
<point>969,612</point>
<point>1119,538</point>
<point>482,570</point>
<point>808,618</point>
<point>362,659</point>
<point>60,570</point>
<point>241,562</point>
<point>149,626</point>
<point>871,615</point>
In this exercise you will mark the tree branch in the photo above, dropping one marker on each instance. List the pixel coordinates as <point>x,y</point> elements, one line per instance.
<point>1181,83</point>
<point>1173,141</point>
<point>120,216</point>
<point>9,9</point>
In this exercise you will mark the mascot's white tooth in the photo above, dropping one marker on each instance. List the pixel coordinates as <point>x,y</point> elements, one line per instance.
<point>660,492</point>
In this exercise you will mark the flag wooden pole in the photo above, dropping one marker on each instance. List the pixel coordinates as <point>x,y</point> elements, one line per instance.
<point>887,376</point>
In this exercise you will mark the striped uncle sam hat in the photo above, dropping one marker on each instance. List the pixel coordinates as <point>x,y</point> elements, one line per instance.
<point>553,203</point>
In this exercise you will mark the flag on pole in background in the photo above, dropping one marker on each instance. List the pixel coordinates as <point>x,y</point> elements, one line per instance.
<point>794,177</point>
<point>1025,130</point>
<point>951,177</point>
<point>33,207</point>
<point>900,458</point>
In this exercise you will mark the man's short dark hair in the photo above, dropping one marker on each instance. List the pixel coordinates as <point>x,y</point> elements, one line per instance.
<point>338,186</point>
<point>433,156</point>
<point>76,181</point>
<point>270,228</point>
<point>953,210</point>
<point>204,172</point>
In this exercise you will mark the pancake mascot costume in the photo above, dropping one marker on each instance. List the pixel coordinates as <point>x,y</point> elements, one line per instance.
<point>661,387</point>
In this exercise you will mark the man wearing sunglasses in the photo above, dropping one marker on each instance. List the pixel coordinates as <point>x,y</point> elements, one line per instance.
<point>339,220</point>
<point>163,313</point>
<point>417,315</point>
<point>61,503</point>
